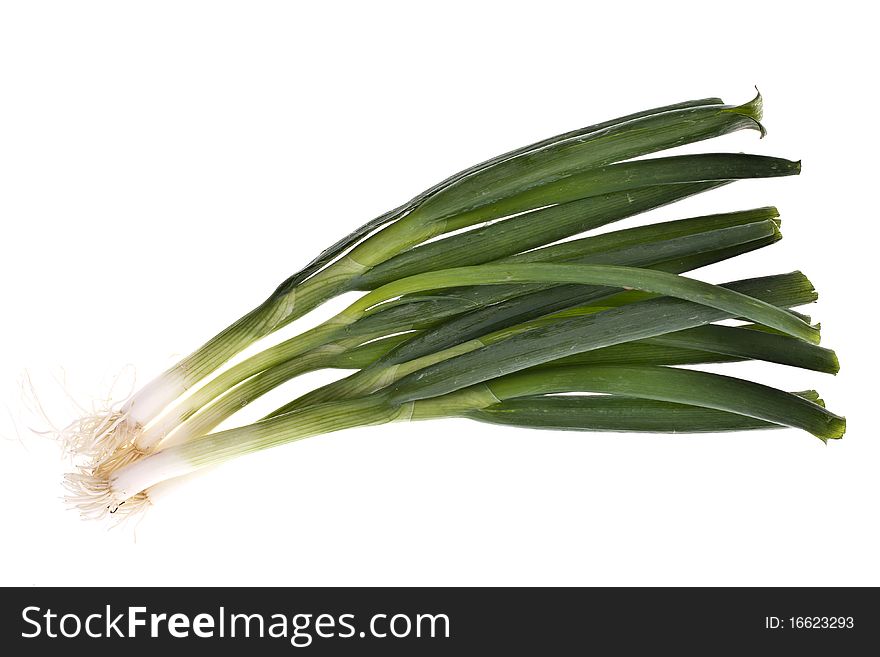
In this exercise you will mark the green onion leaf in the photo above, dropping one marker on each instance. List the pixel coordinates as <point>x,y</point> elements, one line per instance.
<point>614,413</point>
<point>705,389</point>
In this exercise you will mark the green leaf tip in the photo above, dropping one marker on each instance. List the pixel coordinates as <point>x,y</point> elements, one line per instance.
<point>807,285</point>
<point>835,430</point>
<point>777,230</point>
<point>754,110</point>
<point>811,395</point>
<point>773,214</point>
<point>835,365</point>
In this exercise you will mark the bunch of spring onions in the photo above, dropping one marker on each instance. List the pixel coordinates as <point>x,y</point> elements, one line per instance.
<point>497,320</point>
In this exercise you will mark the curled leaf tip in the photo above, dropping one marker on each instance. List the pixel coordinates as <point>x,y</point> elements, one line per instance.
<point>813,396</point>
<point>754,110</point>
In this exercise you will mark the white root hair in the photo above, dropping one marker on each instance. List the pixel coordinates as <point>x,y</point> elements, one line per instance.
<point>98,433</point>
<point>100,442</point>
<point>90,491</point>
<point>99,436</point>
<point>102,446</point>
<point>89,487</point>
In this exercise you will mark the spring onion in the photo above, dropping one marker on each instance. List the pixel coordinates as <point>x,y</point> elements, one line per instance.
<point>481,300</point>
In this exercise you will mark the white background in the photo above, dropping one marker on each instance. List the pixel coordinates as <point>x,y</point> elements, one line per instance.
<point>164,165</point>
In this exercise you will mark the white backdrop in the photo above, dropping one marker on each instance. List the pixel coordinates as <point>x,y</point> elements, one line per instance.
<point>164,165</point>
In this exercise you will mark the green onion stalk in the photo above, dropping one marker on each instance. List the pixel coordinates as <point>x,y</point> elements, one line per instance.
<point>500,358</point>
<point>591,162</point>
<point>337,327</point>
<point>650,246</point>
<point>634,398</point>
<point>701,345</point>
<point>652,281</point>
<point>697,345</point>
